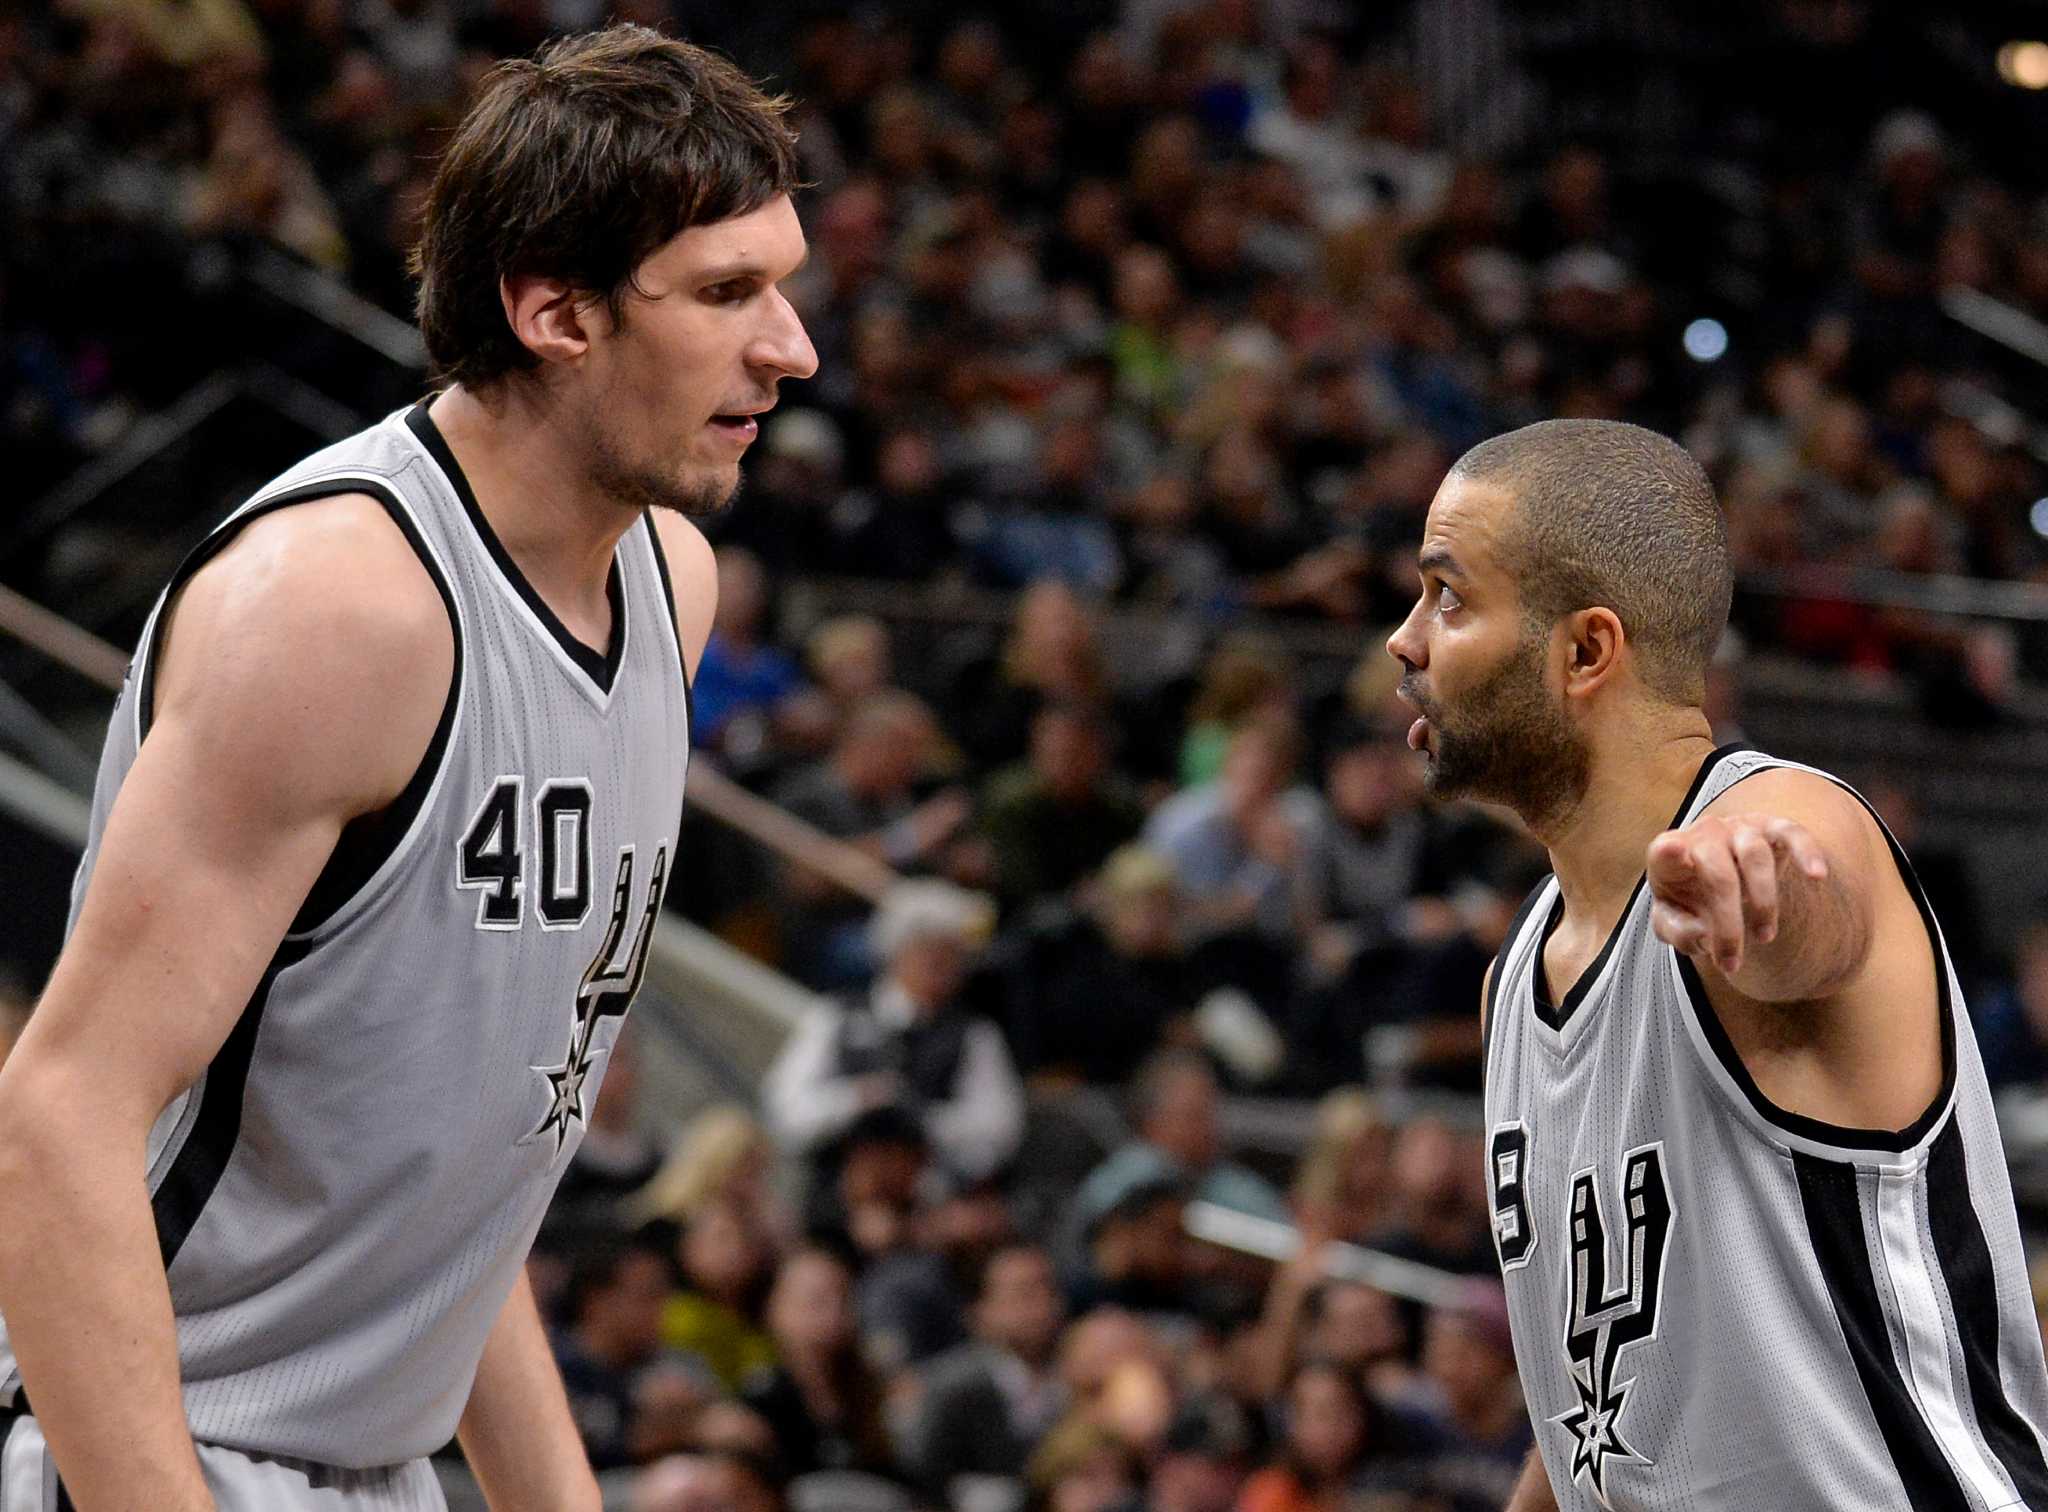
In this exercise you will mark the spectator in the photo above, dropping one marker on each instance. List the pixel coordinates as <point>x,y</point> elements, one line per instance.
<point>1174,1112</point>
<point>1337,1442</point>
<point>608,1352</point>
<point>1202,1465</point>
<point>907,1045</point>
<point>709,1482</point>
<point>1242,845</point>
<point>819,1398</point>
<point>742,680</point>
<point>1098,992</point>
<point>1051,655</point>
<point>1243,680</point>
<point>1437,1204</point>
<point>1131,1249</point>
<point>864,793</point>
<point>850,660</point>
<point>723,1157</point>
<point>987,1404</point>
<point>1082,1467</point>
<point>1468,1364</point>
<point>724,1268</point>
<point>1340,1183</point>
<point>1055,818</point>
<point>2012,1021</point>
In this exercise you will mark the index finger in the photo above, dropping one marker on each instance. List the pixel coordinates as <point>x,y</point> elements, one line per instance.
<point>1793,841</point>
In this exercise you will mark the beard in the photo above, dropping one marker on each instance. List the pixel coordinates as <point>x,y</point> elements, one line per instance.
<point>638,484</point>
<point>1507,741</point>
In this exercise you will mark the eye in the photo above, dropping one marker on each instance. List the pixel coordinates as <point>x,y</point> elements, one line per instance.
<point>1447,599</point>
<point>732,291</point>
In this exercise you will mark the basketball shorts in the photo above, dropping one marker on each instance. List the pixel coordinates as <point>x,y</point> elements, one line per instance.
<point>239,1482</point>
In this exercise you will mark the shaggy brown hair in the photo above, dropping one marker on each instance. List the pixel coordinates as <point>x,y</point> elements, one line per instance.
<point>578,164</point>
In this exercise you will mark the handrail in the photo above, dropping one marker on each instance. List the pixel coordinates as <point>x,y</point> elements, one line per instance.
<point>1933,593</point>
<point>334,304</point>
<point>2011,327</point>
<point>790,837</point>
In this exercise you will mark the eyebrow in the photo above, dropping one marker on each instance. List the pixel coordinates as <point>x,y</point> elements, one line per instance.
<point>745,268</point>
<point>1441,562</point>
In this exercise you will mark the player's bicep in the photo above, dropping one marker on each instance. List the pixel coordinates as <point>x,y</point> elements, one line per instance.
<point>1857,856</point>
<point>191,892</point>
<point>298,687</point>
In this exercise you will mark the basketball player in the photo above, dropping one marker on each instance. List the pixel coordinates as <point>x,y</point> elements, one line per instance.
<point>382,827</point>
<point>1748,1193</point>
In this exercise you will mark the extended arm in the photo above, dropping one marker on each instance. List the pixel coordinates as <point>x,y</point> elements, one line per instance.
<point>1774,886</point>
<point>277,720</point>
<point>516,1432</point>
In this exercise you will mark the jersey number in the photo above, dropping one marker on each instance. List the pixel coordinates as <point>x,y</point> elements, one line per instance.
<point>492,858</point>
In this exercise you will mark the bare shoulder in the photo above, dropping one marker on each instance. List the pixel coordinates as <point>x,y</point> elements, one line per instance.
<point>1826,808</point>
<point>693,577</point>
<point>315,643</point>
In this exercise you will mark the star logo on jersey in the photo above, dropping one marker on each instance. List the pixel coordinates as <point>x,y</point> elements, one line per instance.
<point>1595,1429</point>
<point>607,991</point>
<point>1602,1321</point>
<point>565,1095</point>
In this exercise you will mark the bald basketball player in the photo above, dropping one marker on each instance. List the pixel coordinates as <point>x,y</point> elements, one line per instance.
<point>1748,1194</point>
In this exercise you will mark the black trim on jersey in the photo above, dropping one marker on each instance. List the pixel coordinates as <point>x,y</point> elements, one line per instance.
<point>1834,1227</point>
<point>64,1501</point>
<point>366,841</point>
<point>1558,1015</point>
<point>1500,969</point>
<point>668,594</point>
<point>1965,1258</point>
<point>196,1169</point>
<point>1814,1128</point>
<point>601,669</point>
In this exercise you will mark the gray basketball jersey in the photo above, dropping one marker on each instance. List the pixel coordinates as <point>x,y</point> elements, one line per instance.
<point>1718,1304</point>
<point>346,1196</point>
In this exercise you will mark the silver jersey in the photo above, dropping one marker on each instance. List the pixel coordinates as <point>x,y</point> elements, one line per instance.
<point>1718,1304</point>
<point>345,1198</point>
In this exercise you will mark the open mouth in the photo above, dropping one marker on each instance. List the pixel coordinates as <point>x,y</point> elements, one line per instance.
<point>738,427</point>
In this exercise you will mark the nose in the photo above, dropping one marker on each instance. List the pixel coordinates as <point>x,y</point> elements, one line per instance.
<point>785,346</point>
<point>1407,645</point>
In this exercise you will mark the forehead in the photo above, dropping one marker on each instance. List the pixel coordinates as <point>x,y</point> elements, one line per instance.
<point>768,240</point>
<point>1469,519</point>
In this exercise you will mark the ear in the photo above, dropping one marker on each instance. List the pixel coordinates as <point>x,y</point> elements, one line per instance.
<point>552,320</point>
<point>1594,642</point>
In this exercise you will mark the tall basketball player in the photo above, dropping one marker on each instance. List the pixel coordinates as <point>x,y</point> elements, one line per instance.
<point>381,832</point>
<point>1748,1193</point>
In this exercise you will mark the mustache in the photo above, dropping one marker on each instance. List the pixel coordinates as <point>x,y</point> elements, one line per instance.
<point>1410,692</point>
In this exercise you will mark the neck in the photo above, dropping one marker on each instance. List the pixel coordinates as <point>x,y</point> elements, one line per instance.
<point>524,465</point>
<point>1633,789</point>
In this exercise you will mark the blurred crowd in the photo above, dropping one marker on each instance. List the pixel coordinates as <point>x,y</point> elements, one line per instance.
<point>980,1308</point>
<point>1140,314</point>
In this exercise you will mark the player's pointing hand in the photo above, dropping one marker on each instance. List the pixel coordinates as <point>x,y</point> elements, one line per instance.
<point>1715,884</point>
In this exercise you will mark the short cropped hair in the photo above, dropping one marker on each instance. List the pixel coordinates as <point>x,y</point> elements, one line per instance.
<point>1614,516</point>
<point>578,164</point>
